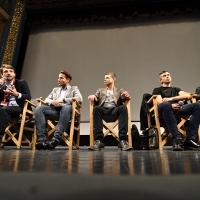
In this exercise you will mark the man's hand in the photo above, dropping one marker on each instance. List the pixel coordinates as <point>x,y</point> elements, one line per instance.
<point>176,107</point>
<point>126,95</point>
<point>2,81</point>
<point>92,98</point>
<point>12,91</point>
<point>57,102</point>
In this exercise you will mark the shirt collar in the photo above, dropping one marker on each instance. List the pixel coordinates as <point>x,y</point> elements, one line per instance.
<point>64,89</point>
<point>9,84</point>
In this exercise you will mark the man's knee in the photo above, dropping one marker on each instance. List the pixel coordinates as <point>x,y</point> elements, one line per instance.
<point>165,105</point>
<point>4,109</point>
<point>123,109</point>
<point>96,109</point>
<point>197,106</point>
<point>66,109</point>
<point>39,109</point>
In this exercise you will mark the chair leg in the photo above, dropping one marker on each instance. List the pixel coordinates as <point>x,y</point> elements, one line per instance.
<point>199,135</point>
<point>20,134</point>
<point>34,138</point>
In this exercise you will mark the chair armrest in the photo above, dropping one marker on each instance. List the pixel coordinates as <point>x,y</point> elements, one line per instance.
<point>194,95</point>
<point>29,102</point>
<point>77,102</point>
<point>126,101</point>
<point>151,99</point>
<point>194,98</point>
<point>41,101</point>
<point>92,104</point>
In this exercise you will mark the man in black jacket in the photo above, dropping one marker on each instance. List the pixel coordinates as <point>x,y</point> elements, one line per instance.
<point>169,104</point>
<point>13,92</point>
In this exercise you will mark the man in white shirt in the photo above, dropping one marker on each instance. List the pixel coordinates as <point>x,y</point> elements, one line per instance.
<point>59,103</point>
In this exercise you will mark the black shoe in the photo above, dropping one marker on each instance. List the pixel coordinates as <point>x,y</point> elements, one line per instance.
<point>191,145</point>
<point>98,145</point>
<point>52,144</point>
<point>41,144</point>
<point>178,145</point>
<point>123,145</point>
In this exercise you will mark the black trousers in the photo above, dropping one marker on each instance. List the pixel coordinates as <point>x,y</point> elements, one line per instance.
<point>6,113</point>
<point>120,111</point>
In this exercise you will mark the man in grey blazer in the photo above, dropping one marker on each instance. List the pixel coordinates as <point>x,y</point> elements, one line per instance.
<point>109,101</point>
<point>59,103</point>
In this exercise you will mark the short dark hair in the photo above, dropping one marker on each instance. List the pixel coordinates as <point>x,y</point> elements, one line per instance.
<point>164,71</point>
<point>67,75</point>
<point>112,74</point>
<point>6,66</point>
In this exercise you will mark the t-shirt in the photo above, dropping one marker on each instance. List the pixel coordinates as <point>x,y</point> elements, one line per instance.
<point>166,92</point>
<point>109,101</point>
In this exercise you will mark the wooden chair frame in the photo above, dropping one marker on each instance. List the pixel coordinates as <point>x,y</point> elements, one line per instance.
<point>153,118</point>
<point>109,128</point>
<point>17,126</point>
<point>71,139</point>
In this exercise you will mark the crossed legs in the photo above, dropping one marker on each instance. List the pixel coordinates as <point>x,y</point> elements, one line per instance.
<point>40,120</point>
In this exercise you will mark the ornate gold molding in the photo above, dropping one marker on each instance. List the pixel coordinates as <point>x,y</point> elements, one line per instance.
<point>13,33</point>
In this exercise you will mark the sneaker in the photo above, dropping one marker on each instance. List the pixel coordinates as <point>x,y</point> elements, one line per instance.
<point>41,144</point>
<point>178,145</point>
<point>98,145</point>
<point>191,145</point>
<point>52,144</point>
<point>123,145</point>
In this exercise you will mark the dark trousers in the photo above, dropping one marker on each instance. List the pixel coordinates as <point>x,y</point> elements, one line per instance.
<point>120,111</point>
<point>6,113</point>
<point>170,120</point>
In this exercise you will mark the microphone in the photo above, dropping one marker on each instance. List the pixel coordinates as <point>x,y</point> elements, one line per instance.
<point>180,103</point>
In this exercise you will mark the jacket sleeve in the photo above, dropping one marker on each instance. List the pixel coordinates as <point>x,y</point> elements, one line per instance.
<point>49,99</point>
<point>75,93</point>
<point>24,90</point>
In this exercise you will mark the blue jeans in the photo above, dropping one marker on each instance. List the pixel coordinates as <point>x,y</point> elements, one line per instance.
<point>40,120</point>
<point>170,120</point>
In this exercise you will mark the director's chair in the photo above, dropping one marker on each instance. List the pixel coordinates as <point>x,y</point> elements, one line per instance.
<point>71,136</point>
<point>15,131</point>
<point>108,126</point>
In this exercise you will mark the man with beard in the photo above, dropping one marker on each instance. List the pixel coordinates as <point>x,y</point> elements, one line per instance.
<point>13,92</point>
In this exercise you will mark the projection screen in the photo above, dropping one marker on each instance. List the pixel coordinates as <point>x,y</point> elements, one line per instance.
<point>136,51</point>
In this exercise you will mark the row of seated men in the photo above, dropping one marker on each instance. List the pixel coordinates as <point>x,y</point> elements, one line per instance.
<point>109,101</point>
